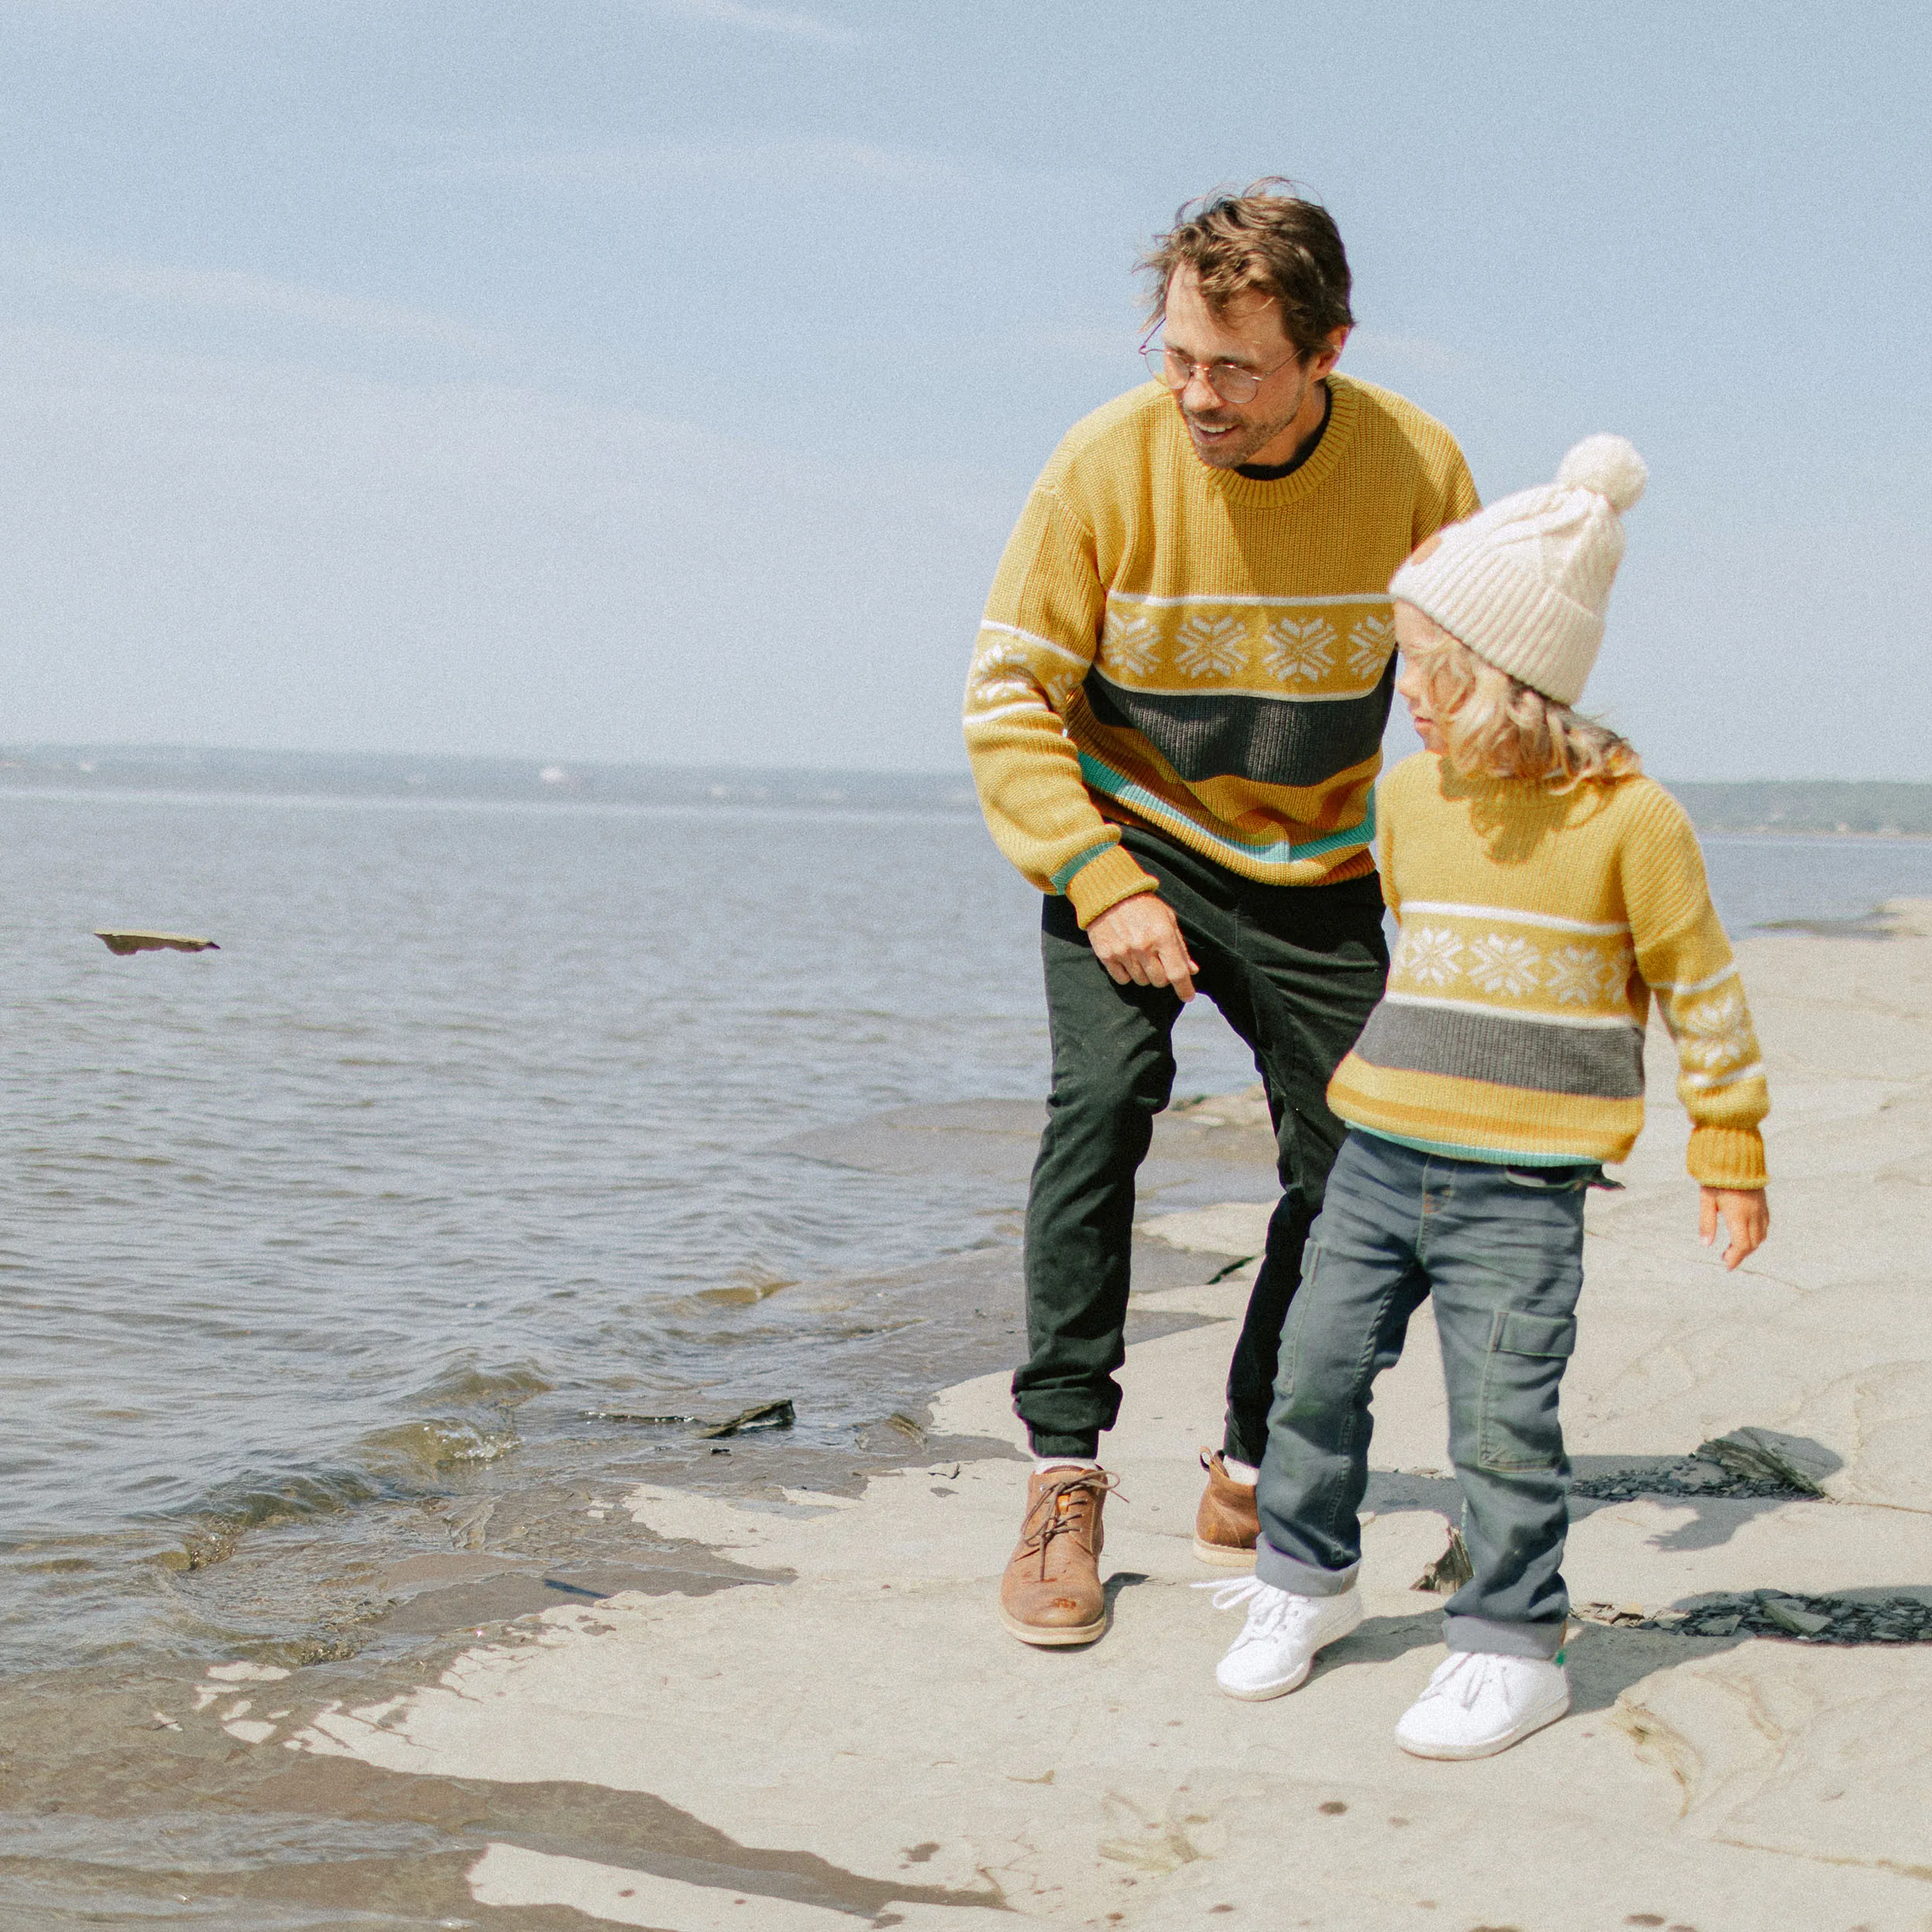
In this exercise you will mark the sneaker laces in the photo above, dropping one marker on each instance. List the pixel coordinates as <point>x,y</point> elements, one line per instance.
<point>1463,1678</point>
<point>1269,1609</point>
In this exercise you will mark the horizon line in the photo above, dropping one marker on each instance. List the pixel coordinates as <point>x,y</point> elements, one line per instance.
<point>562,762</point>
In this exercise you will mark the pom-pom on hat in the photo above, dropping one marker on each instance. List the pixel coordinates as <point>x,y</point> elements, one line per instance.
<point>1525,583</point>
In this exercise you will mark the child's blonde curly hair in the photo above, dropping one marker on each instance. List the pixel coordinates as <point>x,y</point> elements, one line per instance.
<point>1493,725</point>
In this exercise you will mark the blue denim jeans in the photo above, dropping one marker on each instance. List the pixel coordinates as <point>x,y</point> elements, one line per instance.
<point>1500,1249</point>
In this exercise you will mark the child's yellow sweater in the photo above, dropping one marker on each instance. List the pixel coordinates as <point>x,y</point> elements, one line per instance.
<point>1536,929</point>
<point>1205,653</point>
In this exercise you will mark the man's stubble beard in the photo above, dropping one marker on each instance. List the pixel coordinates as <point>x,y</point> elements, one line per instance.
<point>1231,455</point>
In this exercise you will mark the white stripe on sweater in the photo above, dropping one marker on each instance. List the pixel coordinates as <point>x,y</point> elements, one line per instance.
<point>1442,909</point>
<point>1682,988</point>
<point>1272,603</point>
<point>1276,696</point>
<point>1034,707</point>
<point>1509,1012</point>
<point>1707,1083</point>
<point>1029,637</point>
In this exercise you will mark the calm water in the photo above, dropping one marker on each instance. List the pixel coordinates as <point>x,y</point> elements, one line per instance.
<point>469,1118</point>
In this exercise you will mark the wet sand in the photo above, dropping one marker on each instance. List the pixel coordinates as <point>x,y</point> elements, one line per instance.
<point>128,1786</point>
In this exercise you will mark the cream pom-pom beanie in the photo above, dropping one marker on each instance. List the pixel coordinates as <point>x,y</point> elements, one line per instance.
<point>1525,583</point>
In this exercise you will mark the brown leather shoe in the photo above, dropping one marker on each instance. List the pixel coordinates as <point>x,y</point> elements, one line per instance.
<point>1226,1526</point>
<point>1051,1593</point>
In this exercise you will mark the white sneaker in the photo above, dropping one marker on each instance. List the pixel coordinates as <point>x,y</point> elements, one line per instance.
<point>1277,1645</point>
<point>1478,1703</point>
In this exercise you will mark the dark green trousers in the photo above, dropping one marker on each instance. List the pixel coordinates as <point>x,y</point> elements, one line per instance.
<point>1295,969</point>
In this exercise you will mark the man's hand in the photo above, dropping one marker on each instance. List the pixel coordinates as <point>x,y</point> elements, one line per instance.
<point>1139,942</point>
<point>1746,1219</point>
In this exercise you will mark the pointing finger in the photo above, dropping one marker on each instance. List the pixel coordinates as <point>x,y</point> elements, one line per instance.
<point>1178,968</point>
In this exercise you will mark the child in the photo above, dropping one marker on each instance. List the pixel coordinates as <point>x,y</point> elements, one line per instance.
<point>1546,892</point>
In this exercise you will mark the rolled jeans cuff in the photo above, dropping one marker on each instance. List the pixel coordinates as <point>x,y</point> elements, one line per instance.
<point>1045,1442</point>
<point>1543,1641</point>
<point>1286,1572</point>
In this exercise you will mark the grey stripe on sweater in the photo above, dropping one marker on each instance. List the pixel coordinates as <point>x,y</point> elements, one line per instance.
<point>1604,1063</point>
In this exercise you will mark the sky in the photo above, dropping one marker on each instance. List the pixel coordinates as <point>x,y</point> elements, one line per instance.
<point>658,380</point>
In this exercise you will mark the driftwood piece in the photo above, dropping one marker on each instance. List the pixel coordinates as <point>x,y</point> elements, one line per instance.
<point>122,943</point>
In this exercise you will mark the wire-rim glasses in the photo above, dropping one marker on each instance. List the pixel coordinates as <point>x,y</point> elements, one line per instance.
<point>1229,381</point>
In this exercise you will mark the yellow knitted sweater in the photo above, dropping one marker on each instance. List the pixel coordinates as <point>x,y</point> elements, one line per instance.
<point>1536,929</point>
<point>1199,652</point>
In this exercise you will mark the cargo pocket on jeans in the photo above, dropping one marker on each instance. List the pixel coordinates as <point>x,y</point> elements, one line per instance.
<point>1518,1428</point>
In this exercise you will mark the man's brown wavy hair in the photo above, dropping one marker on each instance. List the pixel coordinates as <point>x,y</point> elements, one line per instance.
<point>1268,240</point>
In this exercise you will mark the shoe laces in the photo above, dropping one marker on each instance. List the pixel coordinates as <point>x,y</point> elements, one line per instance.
<point>1270,1609</point>
<point>1463,1679</point>
<point>1055,1512</point>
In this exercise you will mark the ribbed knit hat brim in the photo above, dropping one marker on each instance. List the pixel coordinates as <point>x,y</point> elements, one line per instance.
<point>1508,617</point>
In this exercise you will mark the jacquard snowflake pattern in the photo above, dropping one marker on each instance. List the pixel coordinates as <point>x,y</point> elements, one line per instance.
<point>1370,641</point>
<point>1500,964</point>
<point>1714,1033</point>
<point>1581,976</point>
<point>1002,673</point>
<point>1207,647</point>
<point>1299,648</point>
<point>996,660</point>
<point>1130,642</point>
<point>1429,955</point>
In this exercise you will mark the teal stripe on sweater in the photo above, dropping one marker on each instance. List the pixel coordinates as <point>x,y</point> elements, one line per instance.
<point>1064,877</point>
<point>1280,852</point>
<point>1496,1156</point>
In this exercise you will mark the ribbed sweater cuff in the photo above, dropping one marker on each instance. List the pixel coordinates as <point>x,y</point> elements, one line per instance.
<point>1105,880</point>
<point>1727,1156</point>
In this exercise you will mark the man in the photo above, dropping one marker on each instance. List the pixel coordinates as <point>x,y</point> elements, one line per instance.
<point>1175,716</point>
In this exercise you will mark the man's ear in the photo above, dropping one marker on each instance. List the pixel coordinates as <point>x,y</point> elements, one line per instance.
<point>1325,359</point>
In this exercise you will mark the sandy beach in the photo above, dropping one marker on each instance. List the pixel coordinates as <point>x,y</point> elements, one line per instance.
<point>792,1707</point>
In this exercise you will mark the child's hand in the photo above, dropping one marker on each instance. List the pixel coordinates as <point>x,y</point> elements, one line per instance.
<point>1746,1219</point>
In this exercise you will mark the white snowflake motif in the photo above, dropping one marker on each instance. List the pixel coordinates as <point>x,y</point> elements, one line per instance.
<point>1429,955</point>
<point>1713,1034</point>
<point>1300,648</point>
<point>1000,674</point>
<point>1581,976</point>
<point>1504,965</point>
<point>1059,686</point>
<point>1212,647</point>
<point>1370,641</point>
<point>1130,641</point>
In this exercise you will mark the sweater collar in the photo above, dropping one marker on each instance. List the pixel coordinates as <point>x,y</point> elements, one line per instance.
<point>1248,493</point>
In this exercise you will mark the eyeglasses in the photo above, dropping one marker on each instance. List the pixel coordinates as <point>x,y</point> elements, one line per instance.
<point>1230,381</point>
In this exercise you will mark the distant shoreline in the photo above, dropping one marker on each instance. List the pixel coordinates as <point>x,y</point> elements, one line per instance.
<point>179,794</point>
<point>180,770</point>
<point>1814,808</point>
<point>1812,832</point>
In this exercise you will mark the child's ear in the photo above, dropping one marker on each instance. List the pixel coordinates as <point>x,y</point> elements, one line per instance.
<point>1426,548</point>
